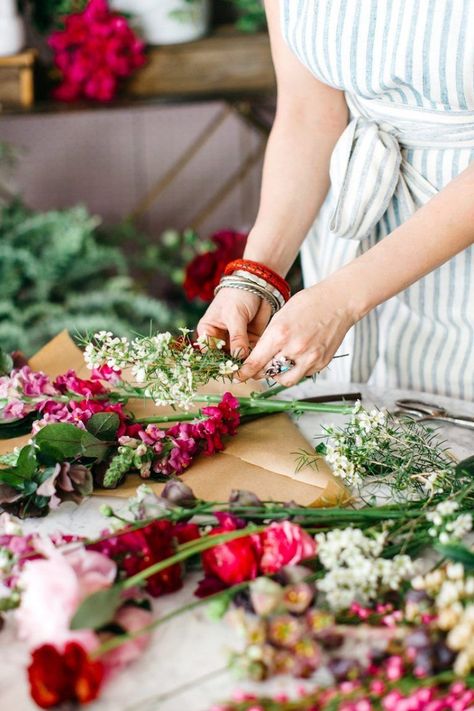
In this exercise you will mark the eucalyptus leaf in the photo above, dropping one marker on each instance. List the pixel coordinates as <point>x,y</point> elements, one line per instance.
<point>458,553</point>
<point>98,609</point>
<point>104,425</point>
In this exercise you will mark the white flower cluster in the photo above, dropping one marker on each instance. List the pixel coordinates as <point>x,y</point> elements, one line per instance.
<point>169,369</point>
<point>346,449</point>
<point>447,525</point>
<point>453,594</point>
<point>356,572</point>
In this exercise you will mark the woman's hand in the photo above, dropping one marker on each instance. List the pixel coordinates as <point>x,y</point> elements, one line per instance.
<point>236,317</point>
<point>308,330</point>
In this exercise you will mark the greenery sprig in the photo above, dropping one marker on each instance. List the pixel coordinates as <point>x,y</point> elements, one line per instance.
<point>376,448</point>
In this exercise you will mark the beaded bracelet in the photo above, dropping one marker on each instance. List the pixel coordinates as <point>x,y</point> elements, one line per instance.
<point>261,271</point>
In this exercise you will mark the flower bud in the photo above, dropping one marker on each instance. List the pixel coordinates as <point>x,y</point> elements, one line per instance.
<point>179,493</point>
<point>242,497</point>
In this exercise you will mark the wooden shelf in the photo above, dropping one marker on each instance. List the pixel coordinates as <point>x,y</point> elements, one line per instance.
<point>225,65</point>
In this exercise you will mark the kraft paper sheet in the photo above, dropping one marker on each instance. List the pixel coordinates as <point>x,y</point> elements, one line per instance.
<point>261,458</point>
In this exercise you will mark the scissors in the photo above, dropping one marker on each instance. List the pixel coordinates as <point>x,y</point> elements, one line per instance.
<point>424,412</point>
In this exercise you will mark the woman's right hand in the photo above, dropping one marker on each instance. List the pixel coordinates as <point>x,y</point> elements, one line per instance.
<point>236,317</point>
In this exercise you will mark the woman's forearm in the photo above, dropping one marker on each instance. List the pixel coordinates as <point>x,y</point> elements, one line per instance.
<point>438,231</point>
<point>295,184</point>
<point>310,118</point>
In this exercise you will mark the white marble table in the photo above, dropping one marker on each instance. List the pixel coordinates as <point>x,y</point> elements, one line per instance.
<point>184,666</point>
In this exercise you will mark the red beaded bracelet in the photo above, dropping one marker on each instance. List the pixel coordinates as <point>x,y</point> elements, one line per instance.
<point>261,271</point>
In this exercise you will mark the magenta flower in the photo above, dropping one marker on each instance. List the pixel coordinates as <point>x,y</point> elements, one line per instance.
<point>94,51</point>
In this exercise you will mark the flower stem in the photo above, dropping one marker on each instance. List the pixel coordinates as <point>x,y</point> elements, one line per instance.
<point>248,404</point>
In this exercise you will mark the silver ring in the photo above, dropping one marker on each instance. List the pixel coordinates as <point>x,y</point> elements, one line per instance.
<point>279,365</point>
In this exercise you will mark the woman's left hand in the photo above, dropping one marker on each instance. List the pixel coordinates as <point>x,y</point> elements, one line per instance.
<point>308,330</point>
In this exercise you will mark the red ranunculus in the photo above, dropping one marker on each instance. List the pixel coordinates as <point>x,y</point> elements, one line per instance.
<point>204,272</point>
<point>280,544</point>
<point>59,677</point>
<point>284,543</point>
<point>235,561</point>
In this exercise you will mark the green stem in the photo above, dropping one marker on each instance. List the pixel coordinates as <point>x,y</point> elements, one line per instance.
<point>163,419</point>
<point>279,405</point>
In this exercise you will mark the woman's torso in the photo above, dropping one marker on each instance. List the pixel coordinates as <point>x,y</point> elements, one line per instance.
<point>409,64</point>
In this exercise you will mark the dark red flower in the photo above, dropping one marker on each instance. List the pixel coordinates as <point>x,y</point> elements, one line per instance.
<point>58,677</point>
<point>135,550</point>
<point>204,272</point>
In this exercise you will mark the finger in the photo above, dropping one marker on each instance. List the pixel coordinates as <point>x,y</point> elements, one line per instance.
<point>258,359</point>
<point>238,338</point>
<point>296,374</point>
<point>204,328</point>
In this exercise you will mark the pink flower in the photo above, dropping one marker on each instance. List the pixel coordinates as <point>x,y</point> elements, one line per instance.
<point>131,618</point>
<point>14,410</point>
<point>33,383</point>
<point>107,374</point>
<point>70,382</point>
<point>53,588</point>
<point>95,49</point>
<point>283,544</point>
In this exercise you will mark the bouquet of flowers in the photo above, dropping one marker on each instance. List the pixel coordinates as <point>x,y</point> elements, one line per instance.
<point>84,434</point>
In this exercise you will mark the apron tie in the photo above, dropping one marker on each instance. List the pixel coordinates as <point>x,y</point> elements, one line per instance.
<point>367,170</point>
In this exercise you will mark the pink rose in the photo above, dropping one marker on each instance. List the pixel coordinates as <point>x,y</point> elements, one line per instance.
<point>283,544</point>
<point>53,588</point>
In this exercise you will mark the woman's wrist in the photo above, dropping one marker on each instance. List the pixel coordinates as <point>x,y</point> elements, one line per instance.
<point>271,250</point>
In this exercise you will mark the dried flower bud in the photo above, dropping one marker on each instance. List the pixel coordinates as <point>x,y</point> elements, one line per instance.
<point>242,497</point>
<point>179,493</point>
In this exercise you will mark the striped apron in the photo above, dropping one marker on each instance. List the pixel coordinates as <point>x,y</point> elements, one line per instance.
<point>407,70</point>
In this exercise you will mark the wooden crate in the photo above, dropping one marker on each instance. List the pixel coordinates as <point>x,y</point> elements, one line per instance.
<point>16,80</point>
<point>224,63</point>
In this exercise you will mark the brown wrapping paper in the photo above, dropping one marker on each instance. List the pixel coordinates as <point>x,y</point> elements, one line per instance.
<point>261,458</point>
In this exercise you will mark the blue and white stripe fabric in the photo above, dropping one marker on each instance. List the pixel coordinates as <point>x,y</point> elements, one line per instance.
<point>407,70</point>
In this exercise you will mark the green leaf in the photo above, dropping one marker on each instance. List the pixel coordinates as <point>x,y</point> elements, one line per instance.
<point>27,463</point>
<point>98,609</point>
<point>65,441</point>
<point>458,553</point>
<point>10,477</point>
<point>17,428</point>
<point>6,363</point>
<point>104,425</point>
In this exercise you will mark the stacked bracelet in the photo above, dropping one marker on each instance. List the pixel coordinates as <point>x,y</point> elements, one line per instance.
<point>256,279</point>
<point>263,272</point>
<point>234,282</point>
